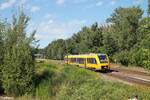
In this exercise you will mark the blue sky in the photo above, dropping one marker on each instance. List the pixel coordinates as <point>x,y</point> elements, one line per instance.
<point>54,19</point>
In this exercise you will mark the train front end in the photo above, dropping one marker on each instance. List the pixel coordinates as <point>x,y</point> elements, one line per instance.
<point>104,62</point>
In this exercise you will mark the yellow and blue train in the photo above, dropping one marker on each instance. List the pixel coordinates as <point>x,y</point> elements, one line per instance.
<point>92,61</point>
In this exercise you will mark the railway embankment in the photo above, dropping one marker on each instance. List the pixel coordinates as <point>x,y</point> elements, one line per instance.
<point>57,80</point>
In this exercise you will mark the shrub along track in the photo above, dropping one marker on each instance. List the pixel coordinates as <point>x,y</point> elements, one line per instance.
<point>129,76</point>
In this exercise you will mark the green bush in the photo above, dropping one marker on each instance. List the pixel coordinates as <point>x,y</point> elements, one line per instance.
<point>18,71</point>
<point>146,64</point>
<point>141,57</point>
<point>18,65</point>
<point>138,57</point>
<point>122,57</point>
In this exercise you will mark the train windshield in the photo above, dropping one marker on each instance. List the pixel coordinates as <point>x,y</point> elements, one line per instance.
<point>103,58</point>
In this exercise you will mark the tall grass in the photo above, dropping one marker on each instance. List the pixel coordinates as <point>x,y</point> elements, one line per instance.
<point>63,82</point>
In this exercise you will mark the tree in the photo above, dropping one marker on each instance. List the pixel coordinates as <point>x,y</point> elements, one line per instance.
<point>110,44</point>
<point>98,38</point>
<point>18,68</point>
<point>83,40</point>
<point>2,29</point>
<point>2,33</point>
<point>143,29</point>
<point>125,22</point>
<point>94,27</point>
<point>56,49</point>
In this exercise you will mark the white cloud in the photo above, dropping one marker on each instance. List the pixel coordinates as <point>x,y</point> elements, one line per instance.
<point>47,16</point>
<point>60,2</point>
<point>50,29</point>
<point>113,2</point>
<point>7,4</point>
<point>79,1</point>
<point>58,29</point>
<point>35,8</point>
<point>23,2</point>
<point>99,3</point>
<point>137,2</point>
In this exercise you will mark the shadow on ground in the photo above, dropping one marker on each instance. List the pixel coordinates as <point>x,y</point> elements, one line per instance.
<point>106,71</point>
<point>45,75</point>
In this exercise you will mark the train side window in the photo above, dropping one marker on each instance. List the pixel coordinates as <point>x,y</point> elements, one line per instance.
<point>91,60</point>
<point>77,61</point>
<point>73,60</point>
<point>81,60</point>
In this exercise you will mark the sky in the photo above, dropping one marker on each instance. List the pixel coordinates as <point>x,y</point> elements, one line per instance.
<point>55,19</point>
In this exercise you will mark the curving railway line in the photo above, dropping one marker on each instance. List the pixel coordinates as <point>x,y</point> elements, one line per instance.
<point>129,76</point>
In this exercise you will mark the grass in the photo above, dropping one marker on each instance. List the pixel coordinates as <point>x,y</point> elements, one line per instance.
<point>57,81</point>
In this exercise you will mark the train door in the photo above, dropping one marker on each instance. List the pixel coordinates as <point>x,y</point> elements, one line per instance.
<point>81,62</point>
<point>91,63</point>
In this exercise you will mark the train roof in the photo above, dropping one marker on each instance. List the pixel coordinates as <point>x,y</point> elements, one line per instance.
<point>90,54</point>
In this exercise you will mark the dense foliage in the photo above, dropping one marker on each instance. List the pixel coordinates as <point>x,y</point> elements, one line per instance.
<point>16,57</point>
<point>125,39</point>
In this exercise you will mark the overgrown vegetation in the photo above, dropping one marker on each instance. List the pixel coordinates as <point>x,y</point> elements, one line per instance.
<point>125,38</point>
<point>57,81</point>
<point>16,57</point>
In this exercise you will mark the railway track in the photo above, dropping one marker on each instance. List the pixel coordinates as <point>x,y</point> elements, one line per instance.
<point>130,76</point>
<point>130,71</point>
